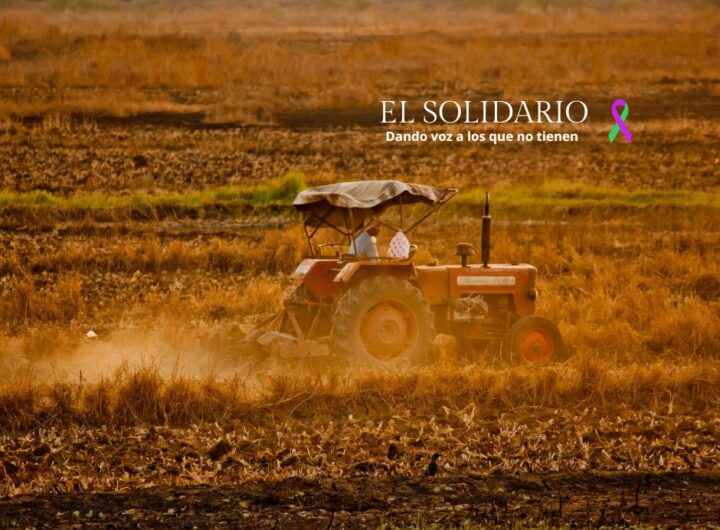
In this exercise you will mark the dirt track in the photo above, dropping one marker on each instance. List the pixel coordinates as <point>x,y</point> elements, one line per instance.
<point>669,499</point>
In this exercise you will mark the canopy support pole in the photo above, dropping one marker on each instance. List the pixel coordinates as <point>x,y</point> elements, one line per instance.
<point>307,236</point>
<point>401,211</point>
<point>352,231</point>
<point>428,214</point>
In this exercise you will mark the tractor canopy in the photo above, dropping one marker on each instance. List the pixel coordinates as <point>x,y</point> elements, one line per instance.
<point>350,205</point>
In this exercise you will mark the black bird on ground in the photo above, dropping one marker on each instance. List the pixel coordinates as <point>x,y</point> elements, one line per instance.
<point>432,466</point>
<point>219,450</point>
<point>393,452</point>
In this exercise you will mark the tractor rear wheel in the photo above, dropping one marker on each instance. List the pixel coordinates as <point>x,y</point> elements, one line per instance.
<point>535,340</point>
<point>383,321</point>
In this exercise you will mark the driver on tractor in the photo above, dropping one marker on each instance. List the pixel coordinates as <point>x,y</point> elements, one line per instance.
<point>365,244</point>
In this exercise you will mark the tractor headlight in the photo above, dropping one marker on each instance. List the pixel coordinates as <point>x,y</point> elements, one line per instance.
<point>532,294</point>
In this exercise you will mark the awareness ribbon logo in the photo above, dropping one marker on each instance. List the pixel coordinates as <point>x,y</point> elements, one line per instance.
<point>620,121</point>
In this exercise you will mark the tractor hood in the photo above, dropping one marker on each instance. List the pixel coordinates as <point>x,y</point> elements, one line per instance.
<point>365,198</point>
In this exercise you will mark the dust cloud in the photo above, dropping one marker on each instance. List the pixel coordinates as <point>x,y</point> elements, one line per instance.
<point>170,350</point>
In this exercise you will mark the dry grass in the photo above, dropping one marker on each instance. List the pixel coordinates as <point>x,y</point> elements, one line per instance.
<point>262,295</point>
<point>140,395</point>
<point>100,64</point>
<point>26,304</point>
<point>276,251</point>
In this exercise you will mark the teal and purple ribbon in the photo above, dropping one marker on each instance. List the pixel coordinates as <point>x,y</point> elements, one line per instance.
<point>620,121</point>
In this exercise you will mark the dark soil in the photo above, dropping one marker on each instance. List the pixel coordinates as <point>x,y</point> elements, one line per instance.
<point>585,499</point>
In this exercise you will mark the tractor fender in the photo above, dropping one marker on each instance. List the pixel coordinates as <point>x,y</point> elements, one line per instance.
<point>358,270</point>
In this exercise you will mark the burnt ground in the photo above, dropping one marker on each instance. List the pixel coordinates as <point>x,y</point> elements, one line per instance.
<point>584,499</point>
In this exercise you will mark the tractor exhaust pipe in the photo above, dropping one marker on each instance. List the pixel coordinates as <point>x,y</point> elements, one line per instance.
<point>485,243</point>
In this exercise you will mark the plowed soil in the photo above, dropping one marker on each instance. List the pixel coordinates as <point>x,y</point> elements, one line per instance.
<point>579,499</point>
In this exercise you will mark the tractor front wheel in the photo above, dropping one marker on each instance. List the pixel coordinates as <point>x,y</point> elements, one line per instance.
<point>535,340</point>
<point>383,321</point>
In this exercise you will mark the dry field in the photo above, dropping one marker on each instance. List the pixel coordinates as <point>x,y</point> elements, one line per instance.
<point>147,163</point>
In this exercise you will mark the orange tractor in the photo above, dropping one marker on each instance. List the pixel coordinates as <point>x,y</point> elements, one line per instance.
<point>385,311</point>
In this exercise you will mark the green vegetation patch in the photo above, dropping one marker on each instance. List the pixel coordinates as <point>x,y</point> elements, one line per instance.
<point>547,199</point>
<point>279,191</point>
<point>561,194</point>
